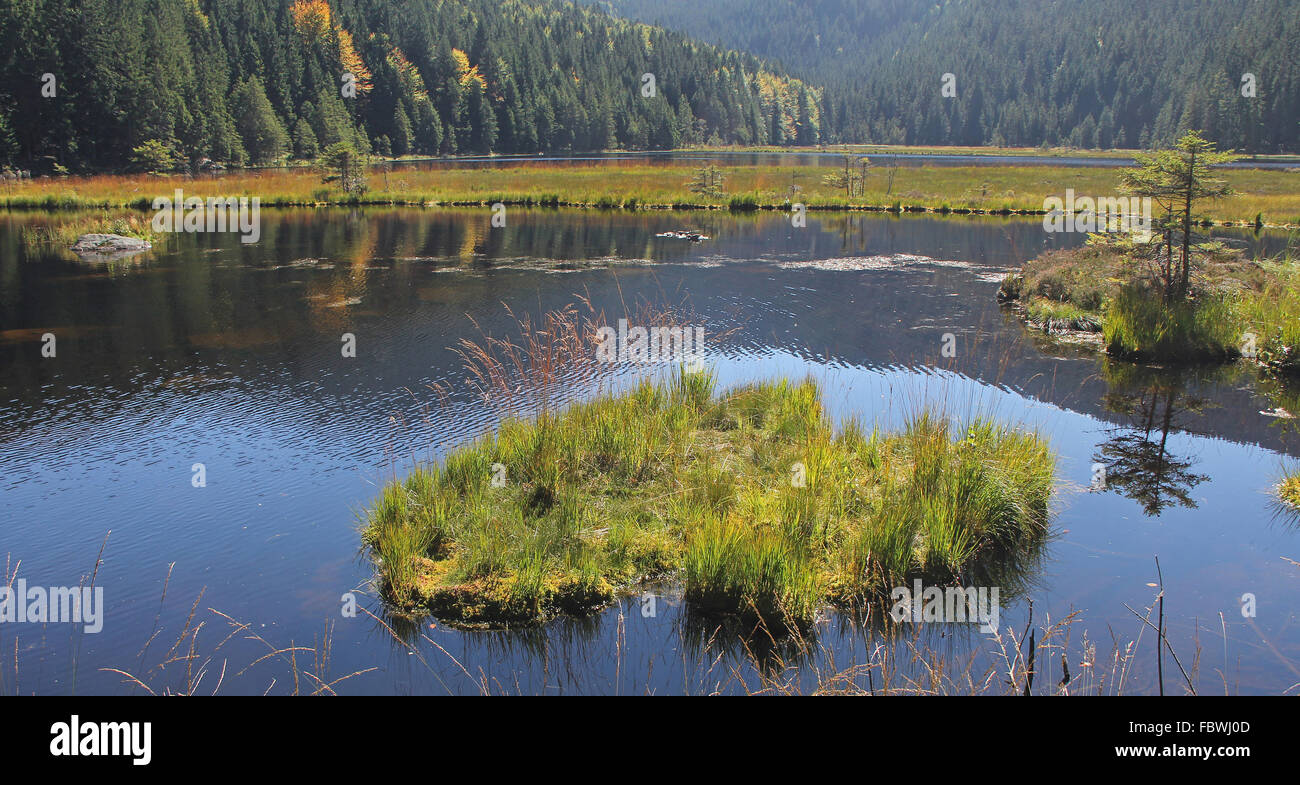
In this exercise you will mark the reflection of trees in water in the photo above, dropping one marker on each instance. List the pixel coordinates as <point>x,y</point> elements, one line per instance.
<point>1284,395</point>
<point>729,645</point>
<point>1138,462</point>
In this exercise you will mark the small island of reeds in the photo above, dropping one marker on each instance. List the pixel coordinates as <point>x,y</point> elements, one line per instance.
<point>1234,307</point>
<point>751,498</point>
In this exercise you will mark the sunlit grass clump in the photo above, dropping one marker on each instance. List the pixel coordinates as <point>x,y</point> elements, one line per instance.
<point>1289,490</point>
<point>750,498</point>
<point>1140,325</point>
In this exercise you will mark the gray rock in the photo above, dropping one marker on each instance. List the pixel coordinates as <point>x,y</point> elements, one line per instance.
<point>113,246</point>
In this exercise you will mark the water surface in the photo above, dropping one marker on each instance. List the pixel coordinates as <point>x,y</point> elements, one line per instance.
<point>208,351</point>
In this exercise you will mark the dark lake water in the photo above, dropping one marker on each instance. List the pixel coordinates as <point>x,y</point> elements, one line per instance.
<point>208,351</point>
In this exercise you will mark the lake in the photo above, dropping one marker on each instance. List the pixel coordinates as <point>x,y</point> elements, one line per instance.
<point>207,351</point>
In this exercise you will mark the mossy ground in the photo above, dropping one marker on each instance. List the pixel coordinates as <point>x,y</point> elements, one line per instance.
<point>752,499</point>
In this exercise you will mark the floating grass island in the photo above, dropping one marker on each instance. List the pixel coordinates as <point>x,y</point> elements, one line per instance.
<point>752,499</point>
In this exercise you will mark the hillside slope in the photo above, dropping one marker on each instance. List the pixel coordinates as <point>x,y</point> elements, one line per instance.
<point>256,80</point>
<point>1106,73</point>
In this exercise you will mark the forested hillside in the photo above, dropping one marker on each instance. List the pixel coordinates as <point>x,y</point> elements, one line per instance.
<point>1103,73</point>
<point>255,81</point>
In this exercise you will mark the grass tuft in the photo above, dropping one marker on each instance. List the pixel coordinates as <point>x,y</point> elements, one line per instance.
<point>1140,325</point>
<point>1289,490</point>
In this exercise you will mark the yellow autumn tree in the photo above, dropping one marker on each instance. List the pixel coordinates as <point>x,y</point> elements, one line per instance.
<point>352,62</point>
<point>408,73</point>
<point>466,73</point>
<point>312,19</point>
<point>315,23</point>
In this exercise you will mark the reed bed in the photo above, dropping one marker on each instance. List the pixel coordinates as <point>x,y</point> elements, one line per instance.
<point>62,231</point>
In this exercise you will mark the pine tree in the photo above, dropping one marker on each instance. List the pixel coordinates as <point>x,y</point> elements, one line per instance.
<point>402,133</point>
<point>263,135</point>
<point>305,146</point>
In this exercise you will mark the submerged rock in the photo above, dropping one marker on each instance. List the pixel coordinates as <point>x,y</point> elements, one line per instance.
<point>108,246</point>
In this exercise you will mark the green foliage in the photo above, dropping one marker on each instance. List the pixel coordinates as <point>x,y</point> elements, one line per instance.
<point>708,180</point>
<point>156,155</point>
<point>305,146</point>
<point>1272,315</point>
<point>1236,304</point>
<point>261,130</point>
<point>1289,491</point>
<point>1176,180</point>
<point>234,81</point>
<point>743,203</point>
<point>1053,316</point>
<point>342,164</point>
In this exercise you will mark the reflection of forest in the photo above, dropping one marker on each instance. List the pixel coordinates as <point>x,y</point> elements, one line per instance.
<point>1138,462</point>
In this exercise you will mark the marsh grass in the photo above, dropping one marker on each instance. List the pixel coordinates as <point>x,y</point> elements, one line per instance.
<point>750,497</point>
<point>1140,325</point>
<point>1273,314</point>
<point>1269,195</point>
<point>1053,316</point>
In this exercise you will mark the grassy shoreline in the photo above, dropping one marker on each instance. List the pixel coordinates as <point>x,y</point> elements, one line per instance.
<point>750,498</point>
<point>1264,197</point>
